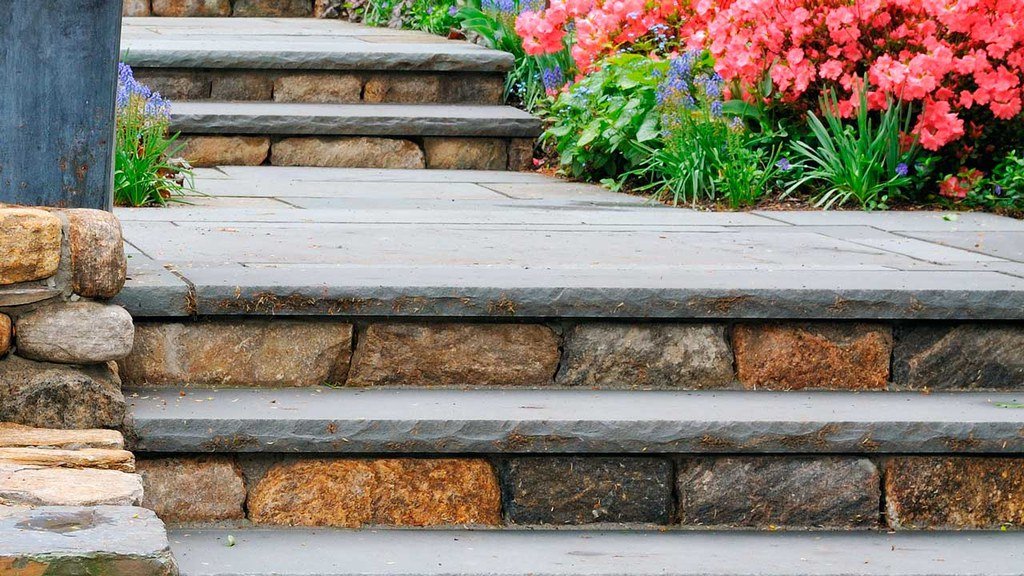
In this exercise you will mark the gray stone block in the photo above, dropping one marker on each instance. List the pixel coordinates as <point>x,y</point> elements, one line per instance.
<point>959,357</point>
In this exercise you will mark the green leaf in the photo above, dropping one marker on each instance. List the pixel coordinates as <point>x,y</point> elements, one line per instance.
<point>649,130</point>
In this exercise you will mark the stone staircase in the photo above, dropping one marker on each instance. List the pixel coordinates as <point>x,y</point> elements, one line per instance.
<point>303,92</point>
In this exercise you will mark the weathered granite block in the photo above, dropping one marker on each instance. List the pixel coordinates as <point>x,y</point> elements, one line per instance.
<point>959,357</point>
<point>445,354</point>
<point>179,8</point>
<point>466,153</point>
<point>274,8</point>
<point>96,458</point>
<point>240,353</point>
<point>778,491</point>
<point>419,88</point>
<point>796,356</point>
<point>5,334</point>
<point>59,395</point>
<point>98,263</point>
<point>346,152</point>
<point>611,355</point>
<point>135,8</point>
<point>520,154</point>
<point>16,435</point>
<point>175,84</point>
<point>390,492</point>
<point>75,333</point>
<point>956,492</point>
<point>31,245</point>
<point>193,489</point>
<point>241,86</point>
<point>207,151</point>
<point>43,486</point>
<point>583,490</point>
<point>331,88</point>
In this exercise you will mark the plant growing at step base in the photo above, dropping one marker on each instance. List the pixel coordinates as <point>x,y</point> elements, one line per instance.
<point>144,173</point>
<point>434,16</point>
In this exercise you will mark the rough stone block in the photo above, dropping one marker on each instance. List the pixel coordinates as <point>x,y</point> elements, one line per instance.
<point>443,354</point>
<point>97,458</point>
<point>135,8</point>
<point>18,436</point>
<point>328,8</point>
<point>520,154</point>
<point>5,334</point>
<point>395,88</point>
<point>175,84</point>
<point>610,355</point>
<point>59,395</point>
<point>330,88</point>
<point>31,245</point>
<point>42,486</point>
<point>180,8</point>
<point>346,152</point>
<point>778,491</point>
<point>193,489</point>
<point>274,8</point>
<point>959,357</point>
<point>98,263</point>
<point>583,490</point>
<point>242,86</point>
<point>954,492</point>
<point>208,151</point>
<point>466,153</point>
<point>796,356</point>
<point>75,333</point>
<point>389,492</point>
<point>240,353</point>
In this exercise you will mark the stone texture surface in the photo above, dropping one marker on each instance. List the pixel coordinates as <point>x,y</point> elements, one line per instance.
<point>520,154</point>
<point>412,88</point>
<point>97,458</point>
<point>75,333</point>
<point>611,355</point>
<point>98,263</point>
<point>322,88</point>
<point>274,8</point>
<point>583,490</point>
<point>135,8</point>
<point>193,489</point>
<point>954,492</point>
<point>391,492</point>
<point>31,244</point>
<point>40,486</point>
<point>344,152</point>
<point>71,540</point>
<point>240,353</point>
<point>796,356</point>
<point>18,436</point>
<point>206,151</point>
<point>59,395</point>
<point>5,334</point>
<point>959,357</point>
<point>179,8</point>
<point>774,491</point>
<point>25,294</point>
<point>241,86</point>
<point>466,153</point>
<point>446,354</point>
<point>175,84</point>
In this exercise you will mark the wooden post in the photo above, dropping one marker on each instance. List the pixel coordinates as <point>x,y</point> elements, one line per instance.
<point>58,78</point>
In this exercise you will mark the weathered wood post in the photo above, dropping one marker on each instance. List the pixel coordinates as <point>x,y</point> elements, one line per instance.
<point>58,77</point>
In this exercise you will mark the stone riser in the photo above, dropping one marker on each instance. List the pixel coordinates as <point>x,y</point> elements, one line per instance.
<point>331,87</point>
<point>703,492</point>
<point>218,8</point>
<point>274,353</point>
<point>445,153</point>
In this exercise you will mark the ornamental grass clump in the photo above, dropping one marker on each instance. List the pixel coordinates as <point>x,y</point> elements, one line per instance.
<point>145,172</point>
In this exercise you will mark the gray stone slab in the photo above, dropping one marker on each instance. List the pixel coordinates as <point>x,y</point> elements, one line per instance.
<point>1005,245</point>
<point>901,221</point>
<point>153,288</point>
<point>571,421</point>
<point>352,119</point>
<point>311,174</point>
<point>83,540</point>
<point>566,190</point>
<point>593,553</point>
<point>343,194</point>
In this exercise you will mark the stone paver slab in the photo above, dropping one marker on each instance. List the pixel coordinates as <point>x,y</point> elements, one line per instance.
<point>1005,245</point>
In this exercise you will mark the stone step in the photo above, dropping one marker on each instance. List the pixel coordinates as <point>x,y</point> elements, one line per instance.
<point>109,540</point>
<point>418,421</point>
<point>355,135</point>
<point>552,553</point>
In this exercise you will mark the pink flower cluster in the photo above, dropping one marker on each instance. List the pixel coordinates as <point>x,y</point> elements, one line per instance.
<point>946,55</point>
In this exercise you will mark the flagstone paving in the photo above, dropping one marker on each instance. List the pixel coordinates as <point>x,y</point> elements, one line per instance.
<point>470,243</point>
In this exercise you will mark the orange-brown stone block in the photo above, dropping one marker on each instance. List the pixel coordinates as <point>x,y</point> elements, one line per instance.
<point>796,356</point>
<point>954,492</point>
<point>98,263</point>
<point>206,151</point>
<point>389,492</point>
<point>5,334</point>
<point>31,245</point>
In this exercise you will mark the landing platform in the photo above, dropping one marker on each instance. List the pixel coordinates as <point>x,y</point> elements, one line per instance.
<point>432,243</point>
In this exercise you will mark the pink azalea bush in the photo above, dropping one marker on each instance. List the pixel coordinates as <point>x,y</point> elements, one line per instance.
<point>953,59</point>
